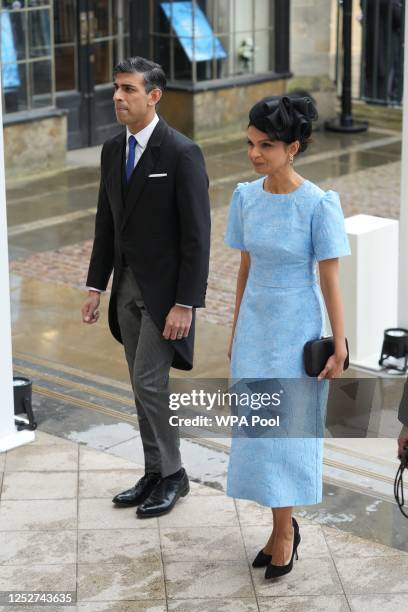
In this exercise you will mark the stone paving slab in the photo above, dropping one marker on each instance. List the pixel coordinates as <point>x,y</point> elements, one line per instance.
<point>198,557</point>
<point>34,459</point>
<point>332,603</point>
<point>39,485</point>
<point>38,514</point>
<point>118,546</point>
<point>38,548</point>
<point>385,603</point>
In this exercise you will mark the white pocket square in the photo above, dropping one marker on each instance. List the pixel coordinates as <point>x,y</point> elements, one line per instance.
<point>157,175</point>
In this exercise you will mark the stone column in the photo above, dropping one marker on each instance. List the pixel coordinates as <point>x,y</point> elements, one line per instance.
<point>9,437</point>
<point>403,238</point>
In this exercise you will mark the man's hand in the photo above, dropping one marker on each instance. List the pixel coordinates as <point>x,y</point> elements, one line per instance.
<point>89,310</point>
<point>402,440</point>
<point>178,323</point>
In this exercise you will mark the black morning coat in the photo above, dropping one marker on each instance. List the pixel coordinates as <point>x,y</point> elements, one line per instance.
<point>161,225</point>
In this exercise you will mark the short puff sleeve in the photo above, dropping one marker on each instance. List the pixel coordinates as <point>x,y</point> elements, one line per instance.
<point>329,235</point>
<point>234,236</point>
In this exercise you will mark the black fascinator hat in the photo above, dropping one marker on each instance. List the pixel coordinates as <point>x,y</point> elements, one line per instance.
<point>287,118</point>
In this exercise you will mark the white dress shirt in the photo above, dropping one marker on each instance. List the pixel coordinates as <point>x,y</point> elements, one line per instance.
<point>142,138</point>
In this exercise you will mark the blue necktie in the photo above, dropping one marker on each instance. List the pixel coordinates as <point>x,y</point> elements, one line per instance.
<point>130,164</point>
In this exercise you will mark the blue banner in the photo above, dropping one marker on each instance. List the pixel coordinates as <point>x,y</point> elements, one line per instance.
<point>195,34</point>
<point>11,78</point>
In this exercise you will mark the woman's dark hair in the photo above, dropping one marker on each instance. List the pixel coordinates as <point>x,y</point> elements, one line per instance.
<point>286,118</point>
<point>154,76</point>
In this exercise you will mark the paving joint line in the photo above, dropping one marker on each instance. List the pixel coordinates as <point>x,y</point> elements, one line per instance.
<point>336,569</point>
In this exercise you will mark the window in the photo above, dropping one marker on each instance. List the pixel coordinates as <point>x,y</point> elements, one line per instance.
<point>203,40</point>
<point>110,37</point>
<point>65,45</point>
<point>26,54</point>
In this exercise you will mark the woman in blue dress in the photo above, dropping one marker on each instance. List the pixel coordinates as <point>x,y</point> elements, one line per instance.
<point>285,227</point>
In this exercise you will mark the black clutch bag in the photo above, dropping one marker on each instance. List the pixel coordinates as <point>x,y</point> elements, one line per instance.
<point>317,352</point>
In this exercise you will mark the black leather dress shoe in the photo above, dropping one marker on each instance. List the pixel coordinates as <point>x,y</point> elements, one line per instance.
<point>164,496</point>
<point>137,494</point>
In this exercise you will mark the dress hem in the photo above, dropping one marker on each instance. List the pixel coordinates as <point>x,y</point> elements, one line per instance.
<point>280,504</point>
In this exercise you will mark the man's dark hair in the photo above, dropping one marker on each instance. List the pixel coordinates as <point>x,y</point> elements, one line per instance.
<point>153,73</point>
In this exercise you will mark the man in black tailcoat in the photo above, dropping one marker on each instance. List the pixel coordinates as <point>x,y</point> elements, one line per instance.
<point>153,229</point>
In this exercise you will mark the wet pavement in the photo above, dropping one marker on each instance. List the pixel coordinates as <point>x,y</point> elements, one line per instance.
<point>81,381</point>
<point>60,532</point>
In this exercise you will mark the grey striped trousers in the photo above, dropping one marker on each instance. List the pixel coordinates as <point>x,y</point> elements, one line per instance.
<point>149,357</point>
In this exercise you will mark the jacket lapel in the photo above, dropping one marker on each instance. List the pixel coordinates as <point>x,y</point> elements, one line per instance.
<point>144,167</point>
<point>116,171</point>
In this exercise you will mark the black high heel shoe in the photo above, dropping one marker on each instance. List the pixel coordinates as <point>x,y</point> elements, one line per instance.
<point>274,571</point>
<point>263,559</point>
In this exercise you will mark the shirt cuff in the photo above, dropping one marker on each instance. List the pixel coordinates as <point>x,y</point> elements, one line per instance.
<point>183,305</point>
<point>94,289</point>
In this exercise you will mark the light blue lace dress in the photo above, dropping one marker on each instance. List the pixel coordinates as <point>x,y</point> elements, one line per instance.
<point>282,308</point>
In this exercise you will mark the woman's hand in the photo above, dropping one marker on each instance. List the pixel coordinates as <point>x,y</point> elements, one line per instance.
<point>333,367</point>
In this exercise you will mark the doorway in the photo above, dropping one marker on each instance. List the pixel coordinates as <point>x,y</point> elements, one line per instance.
<point>90,37</point>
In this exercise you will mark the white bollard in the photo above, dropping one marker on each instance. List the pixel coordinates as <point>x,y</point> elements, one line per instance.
<point>9,436</point>
<point>369,281</point>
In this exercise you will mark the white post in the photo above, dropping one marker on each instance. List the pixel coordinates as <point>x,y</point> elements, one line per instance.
<point>369,280</point>
<point>9,436</point>
<point>403,242</point>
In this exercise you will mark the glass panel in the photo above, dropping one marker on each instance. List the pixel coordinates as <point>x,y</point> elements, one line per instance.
<point>182,65</point>
<point>162,53</point>
<point>41,84</point>
<point>35,3</point>
<point>39,32</point>
<point>14,5</point>
<point>224,67</point>
<point>101,11</point>
<point>161,23</point>
<point>13,36</point>
<point>126,44</point>
<point>264,60</point>
<point>126,15</point>
<point>65,44</point>
<point>120,12</point>
<point>65,61</point>
<point>121,49</point>
<point>263,16</point>
<point>243,15</point>
<point>244,53</point>
<point>64,21</point>
<point>103,72</point>
<point>14,87</point>
<point>219,15</point>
